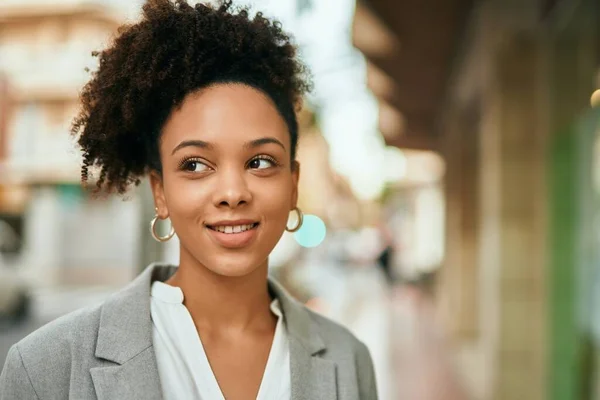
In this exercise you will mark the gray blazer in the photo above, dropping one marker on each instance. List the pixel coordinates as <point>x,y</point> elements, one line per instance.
<point>105,352</point>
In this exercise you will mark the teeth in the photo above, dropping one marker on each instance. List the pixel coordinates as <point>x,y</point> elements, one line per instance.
<point>233,229</point>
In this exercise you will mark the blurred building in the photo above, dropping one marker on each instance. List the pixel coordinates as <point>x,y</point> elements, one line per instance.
<point>65,236</point>
<point>501,90</point>
<point>496,192</point>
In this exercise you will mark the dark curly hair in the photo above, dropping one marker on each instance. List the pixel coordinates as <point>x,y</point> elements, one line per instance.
<point>151,66</point>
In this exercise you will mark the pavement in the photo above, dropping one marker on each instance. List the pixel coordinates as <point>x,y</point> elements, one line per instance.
<point>413,359</point>
<point>423,365</point>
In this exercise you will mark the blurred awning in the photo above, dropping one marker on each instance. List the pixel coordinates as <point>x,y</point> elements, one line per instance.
<point>410,47</point>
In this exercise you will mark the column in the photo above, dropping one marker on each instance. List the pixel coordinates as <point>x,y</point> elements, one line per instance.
<point>513,219</point>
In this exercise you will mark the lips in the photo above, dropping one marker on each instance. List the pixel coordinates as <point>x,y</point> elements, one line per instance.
<point>233,234</point>
<point>232,229</point>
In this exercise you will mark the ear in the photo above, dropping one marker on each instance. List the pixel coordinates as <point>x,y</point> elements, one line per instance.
<point>295,180</point>
<point>158,193</point>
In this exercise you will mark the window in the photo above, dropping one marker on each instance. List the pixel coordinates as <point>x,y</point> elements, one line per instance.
<point>25,129</point>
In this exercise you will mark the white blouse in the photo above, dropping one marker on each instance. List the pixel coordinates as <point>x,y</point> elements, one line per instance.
<point>183,367</point>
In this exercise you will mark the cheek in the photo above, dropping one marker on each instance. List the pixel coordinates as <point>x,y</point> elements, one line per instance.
<point>274,198</point>
<point>185,198</point>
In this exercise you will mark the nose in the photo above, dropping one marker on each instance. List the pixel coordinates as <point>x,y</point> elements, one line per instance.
<point>231,189</point>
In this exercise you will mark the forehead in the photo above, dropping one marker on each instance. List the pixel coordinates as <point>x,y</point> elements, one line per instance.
<point>225,113</point>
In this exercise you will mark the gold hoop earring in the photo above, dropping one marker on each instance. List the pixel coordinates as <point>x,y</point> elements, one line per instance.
<point>161,239</point>
<point>299,223</point>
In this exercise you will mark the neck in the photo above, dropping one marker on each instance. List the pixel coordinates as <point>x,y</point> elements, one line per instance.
<point>218,302</point>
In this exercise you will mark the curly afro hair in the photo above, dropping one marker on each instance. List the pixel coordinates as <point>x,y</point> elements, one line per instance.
<point>152,65</point>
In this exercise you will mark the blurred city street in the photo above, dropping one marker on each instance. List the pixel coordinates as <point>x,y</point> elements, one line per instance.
<point>450,181</point>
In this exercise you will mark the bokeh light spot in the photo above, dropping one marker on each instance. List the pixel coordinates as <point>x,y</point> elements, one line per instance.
<point>312,233</point>
<point>595,100</point>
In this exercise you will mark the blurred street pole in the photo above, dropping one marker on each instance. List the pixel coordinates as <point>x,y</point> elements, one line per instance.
<point>4,104</point>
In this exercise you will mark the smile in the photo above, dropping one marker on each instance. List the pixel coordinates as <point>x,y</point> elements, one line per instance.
<point>233,229</point>
<point>233,234</point>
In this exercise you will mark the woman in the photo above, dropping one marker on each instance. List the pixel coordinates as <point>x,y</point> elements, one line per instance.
<point>202,100</point>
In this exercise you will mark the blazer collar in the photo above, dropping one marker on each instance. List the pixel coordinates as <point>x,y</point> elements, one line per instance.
<point>125,338</point>
<point>125,324</point>
<point>312,376</point>
<point>298,320</point>
<point>126,327</point>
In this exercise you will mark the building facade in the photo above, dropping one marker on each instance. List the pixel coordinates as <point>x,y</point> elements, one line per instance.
<point>66,236</point>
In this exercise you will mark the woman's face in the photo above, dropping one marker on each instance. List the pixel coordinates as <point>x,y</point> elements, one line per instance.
<point>227,183</point>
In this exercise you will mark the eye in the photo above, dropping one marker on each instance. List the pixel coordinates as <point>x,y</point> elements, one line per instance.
<point>262,162</point>
<point>193,165</point>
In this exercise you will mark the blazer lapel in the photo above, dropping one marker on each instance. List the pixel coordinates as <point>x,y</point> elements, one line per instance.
<point>125,341</point>
<point>313,377</point>
<point>136,379</point>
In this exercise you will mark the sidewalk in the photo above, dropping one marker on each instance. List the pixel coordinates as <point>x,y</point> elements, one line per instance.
<point>422,364</point>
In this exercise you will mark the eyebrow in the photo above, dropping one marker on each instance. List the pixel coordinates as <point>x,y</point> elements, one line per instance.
<point>205,145</point>
<point>192,143</point>
<point>262,141</point>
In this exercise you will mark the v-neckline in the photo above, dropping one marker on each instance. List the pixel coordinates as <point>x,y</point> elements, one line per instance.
<point>198,360</point>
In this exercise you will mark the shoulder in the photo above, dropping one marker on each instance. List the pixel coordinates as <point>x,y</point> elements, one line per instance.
<point>335,334</point>
<point>62,352</point>
<point>77,332</point>
<point>57,339</point>
<point>337,339</point>
<point>75,325</point>
<point>43,361</point>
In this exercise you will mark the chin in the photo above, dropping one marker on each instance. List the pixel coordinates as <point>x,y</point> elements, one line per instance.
<point>234,267</point>
<point>233,272</point>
